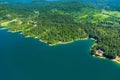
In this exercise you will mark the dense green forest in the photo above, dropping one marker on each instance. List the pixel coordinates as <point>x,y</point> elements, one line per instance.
<point>59,22</point>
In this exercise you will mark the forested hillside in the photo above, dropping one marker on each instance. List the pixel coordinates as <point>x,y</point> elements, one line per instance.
<point>61,22</point>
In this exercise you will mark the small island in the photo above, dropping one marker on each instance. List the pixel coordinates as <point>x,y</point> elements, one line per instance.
<point>64,22</point>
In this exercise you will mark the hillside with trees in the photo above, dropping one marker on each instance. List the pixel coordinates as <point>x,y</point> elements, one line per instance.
<point>62,22</point>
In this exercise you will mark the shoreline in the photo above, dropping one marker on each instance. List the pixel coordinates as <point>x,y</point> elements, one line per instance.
<point>3,28</point>
<point>60,42</point>
<point>117,59</point>
<point>35,37</point>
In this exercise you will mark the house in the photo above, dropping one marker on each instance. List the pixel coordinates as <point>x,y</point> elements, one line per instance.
<point>99,52</point>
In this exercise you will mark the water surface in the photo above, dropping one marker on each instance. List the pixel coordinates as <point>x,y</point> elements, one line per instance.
<point>29,59</point>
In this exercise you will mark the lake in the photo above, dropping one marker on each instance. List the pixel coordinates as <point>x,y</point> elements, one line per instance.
<point>29,59</point>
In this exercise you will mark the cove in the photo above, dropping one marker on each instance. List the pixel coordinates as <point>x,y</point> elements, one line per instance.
<point>29,59</point>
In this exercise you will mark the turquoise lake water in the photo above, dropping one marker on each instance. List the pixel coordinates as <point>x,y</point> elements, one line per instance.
<point>29,59</point>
